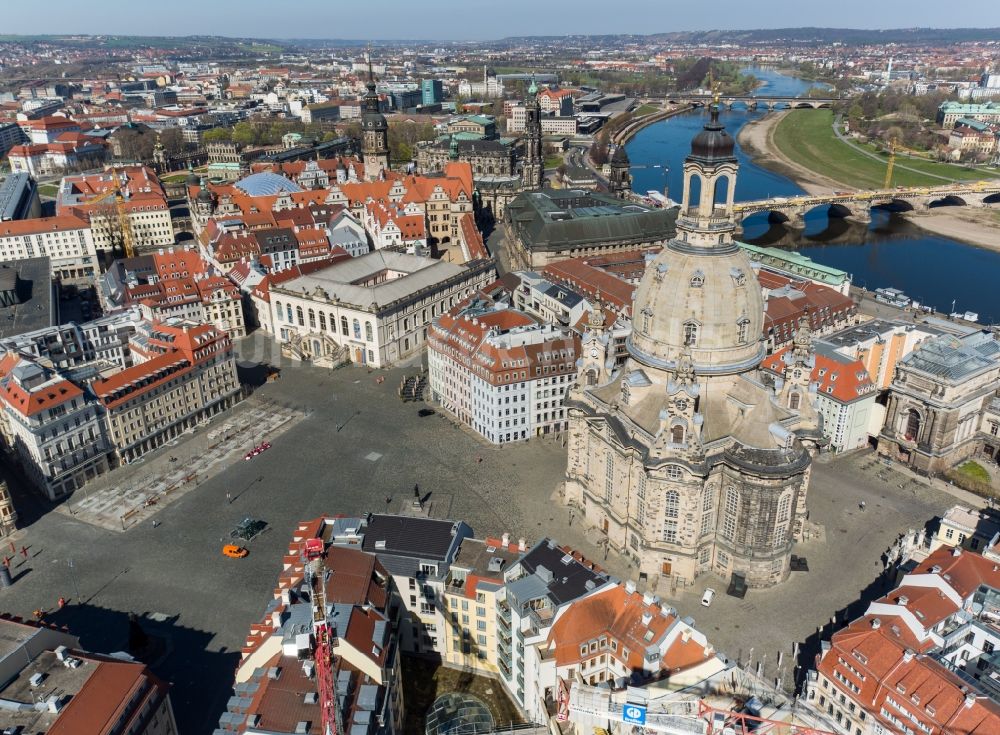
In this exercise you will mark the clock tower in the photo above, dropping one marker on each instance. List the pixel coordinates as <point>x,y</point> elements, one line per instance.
<point>374,132</point>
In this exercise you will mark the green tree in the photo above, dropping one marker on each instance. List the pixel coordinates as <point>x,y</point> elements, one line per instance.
<point>217,135</point>
<point>244,134</point>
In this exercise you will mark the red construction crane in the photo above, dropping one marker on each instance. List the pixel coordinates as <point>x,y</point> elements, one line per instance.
<point>322,637</point>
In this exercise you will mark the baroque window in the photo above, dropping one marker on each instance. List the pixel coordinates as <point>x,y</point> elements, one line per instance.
<point>731,511</point>
<point>609,476</point>
<point>671,510</point>
<point>690,334</point>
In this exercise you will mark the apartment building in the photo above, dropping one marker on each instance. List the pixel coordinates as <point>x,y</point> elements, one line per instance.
<point>844,395</point>
<point>52,686</point>
<point>66,240</point>
<point>53,426</point>
<point>187,374</point>
<point>499,371</point>
<point>921,658</point>
<point>143,202</point>
<point>277,690</point>
<point>880,344</point>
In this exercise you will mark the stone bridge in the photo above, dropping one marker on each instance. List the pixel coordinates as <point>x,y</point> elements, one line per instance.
<point>857,206</point>
<point>751,102</point>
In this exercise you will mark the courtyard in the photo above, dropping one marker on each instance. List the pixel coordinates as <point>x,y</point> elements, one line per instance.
<point>353,448</point>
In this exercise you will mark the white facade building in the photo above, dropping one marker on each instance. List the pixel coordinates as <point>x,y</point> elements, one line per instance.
<point>500,372</point>
<point>67,241</point>
<point>373,310</point>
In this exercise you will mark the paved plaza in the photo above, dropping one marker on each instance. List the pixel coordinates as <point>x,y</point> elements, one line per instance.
<point>355,447</point>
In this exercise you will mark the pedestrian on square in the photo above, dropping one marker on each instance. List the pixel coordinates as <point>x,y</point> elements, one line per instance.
<point>24,551</point>
<point>62,603</point>
<point>229,497</point>
<point>13,549</point>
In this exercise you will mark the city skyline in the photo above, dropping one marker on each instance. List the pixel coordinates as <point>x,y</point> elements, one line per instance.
<point>448,20</point>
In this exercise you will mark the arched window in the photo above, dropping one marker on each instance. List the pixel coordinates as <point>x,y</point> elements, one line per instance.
<point>645,320</point>
<point>677,434</point>
<point>671,511</point>
<point>640,493</point>
<point>743,331</point>
<point>298,314</point>
<point>277,310</point>
<point>793,401</point>
<point>731,513</point>
<point>721,193</point>
<point>697,279</point>
<point>591,377</point>
<point>312,319</point>
<point>322,321</point>
<point>343,326</point>
<point>357,329</point>
<point>912,426</point>
<point>693,194</point>
<point>690,334</point>
<point>288,313</point>
<point>368,332</point>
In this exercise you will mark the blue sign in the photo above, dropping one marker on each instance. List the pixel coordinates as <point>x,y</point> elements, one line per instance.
<point>634,714</point>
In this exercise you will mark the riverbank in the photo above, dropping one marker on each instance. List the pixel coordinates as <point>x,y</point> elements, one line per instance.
<point>974,226</point>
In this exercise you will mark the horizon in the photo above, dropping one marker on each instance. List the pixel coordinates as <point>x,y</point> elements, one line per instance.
<point>446,21</point>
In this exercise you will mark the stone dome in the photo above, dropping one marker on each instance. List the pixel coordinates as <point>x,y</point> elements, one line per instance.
<point>706,301</point>
<point>713,143</point>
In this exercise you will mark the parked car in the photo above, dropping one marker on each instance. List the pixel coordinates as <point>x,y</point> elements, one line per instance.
<point>706,599</point>
<point>426,412</point>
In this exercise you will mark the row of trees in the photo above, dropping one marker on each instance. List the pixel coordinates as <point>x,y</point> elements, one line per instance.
<point>264,133</point>
<point>403,137</point>
<point>909,120</point>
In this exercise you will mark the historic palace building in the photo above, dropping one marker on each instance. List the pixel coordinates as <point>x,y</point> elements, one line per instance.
<point>683,458</point>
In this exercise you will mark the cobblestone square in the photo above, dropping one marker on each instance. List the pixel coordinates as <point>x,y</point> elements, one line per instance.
<point>357,448</point>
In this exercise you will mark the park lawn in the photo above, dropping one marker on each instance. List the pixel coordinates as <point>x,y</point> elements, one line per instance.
<point>960,173</point>
<point>974,471</point>
<point>807,137</point>
<point>647,110</point>
<point>48,190</point>
<point>553,161</point>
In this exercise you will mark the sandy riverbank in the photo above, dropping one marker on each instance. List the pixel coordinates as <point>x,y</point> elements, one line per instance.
<point>974,226</point>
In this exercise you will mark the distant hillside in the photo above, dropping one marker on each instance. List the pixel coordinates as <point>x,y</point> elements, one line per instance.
<point>852,36</point>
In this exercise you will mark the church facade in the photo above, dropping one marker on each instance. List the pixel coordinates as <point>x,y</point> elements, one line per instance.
<point>683,457</point>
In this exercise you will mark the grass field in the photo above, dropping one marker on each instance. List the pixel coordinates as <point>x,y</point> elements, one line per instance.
<point>48,190</point>
<point>807,137</point>
<point>647,110</point>
<point>975,471</point>
<point>553,161</point>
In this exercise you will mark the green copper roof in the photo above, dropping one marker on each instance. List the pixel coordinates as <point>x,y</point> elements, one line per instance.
<point>795,263</point>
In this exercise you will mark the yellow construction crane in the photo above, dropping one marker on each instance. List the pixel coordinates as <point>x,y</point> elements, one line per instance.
<point>124,224</point>
<point>892,163</point>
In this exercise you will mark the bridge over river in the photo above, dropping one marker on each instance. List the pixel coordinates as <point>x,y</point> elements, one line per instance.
<point>857,205</point>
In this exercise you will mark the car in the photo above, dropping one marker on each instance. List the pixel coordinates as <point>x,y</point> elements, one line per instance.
<point>706,599</point>
<point>234,552</point>
<point>423,412</point>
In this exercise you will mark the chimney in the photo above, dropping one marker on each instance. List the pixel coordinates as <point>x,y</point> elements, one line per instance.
<point>505,540</point>
<point>630,587</point>
<point>903,599</point>
<point>876,623</point>
<point>522,545</point>
<point>907,656</point>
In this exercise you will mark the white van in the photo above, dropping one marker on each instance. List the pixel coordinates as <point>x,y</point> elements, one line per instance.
<point>706,599</point>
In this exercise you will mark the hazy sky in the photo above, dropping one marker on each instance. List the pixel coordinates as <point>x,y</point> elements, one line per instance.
<point>471,19</point>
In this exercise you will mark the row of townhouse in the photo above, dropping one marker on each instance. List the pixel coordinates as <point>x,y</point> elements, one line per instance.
<point>69,413</point>
<point>541,619</point>
<point>922,659</point>
<point>269,199</point>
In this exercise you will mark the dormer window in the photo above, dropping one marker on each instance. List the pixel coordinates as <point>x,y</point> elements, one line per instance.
<point>697,279</point>
<point>690,334</point>
<point>743,330</point>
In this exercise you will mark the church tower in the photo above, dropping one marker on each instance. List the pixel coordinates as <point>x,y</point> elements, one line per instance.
<point>620,179</point>
<point>683,457</point>
<point>533,169</point>
<point>374,132</point>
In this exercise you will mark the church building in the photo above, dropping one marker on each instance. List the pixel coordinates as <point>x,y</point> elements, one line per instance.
<point>683,457</point>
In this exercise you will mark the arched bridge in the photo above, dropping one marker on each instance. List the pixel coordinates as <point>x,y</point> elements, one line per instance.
<point>751,102</point>
<point>857,205</point>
